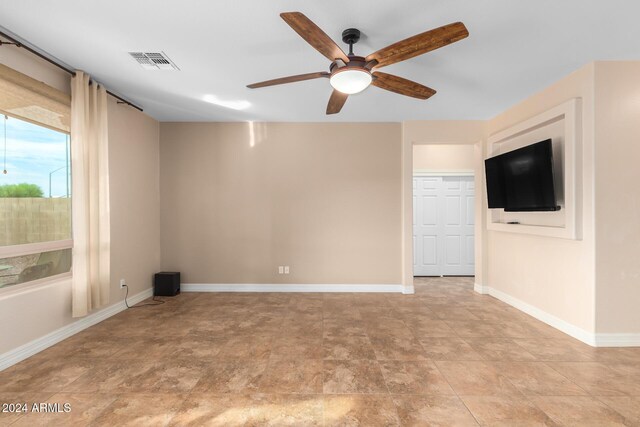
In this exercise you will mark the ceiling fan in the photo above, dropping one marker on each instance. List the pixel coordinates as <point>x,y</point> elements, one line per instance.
<point>350,74</point>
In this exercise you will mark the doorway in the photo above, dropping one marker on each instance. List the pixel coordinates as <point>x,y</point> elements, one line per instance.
<point>443,225</point>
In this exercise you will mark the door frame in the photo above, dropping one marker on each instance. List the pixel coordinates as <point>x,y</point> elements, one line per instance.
<point>420,173</point>
<point>472,135</point>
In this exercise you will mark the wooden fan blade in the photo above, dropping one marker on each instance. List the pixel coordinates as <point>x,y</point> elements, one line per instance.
<point>401,85</point>
<point>290,79</point>
<point>336,102</point>
<point>314,35</point>
<point>419,44</point>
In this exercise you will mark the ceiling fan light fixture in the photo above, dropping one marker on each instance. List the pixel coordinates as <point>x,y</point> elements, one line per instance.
<point>351,80</point>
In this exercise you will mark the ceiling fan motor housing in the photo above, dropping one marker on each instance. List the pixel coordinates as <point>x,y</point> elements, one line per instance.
<point>354,62</point>
<point>351,36</point>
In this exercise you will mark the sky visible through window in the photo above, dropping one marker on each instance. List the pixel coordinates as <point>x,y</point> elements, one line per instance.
<point>35,155</point>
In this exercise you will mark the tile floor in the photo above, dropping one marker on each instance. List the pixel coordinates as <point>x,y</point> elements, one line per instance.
<point>445,356</point>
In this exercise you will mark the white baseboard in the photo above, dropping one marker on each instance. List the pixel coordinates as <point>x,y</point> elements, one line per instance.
<point>18,354</point>
<point>617,340</point>
<point>551,320</point>
<point>592,339</point>
<point>484,290</point>
<point>409,290</point>
<point>266,287</point>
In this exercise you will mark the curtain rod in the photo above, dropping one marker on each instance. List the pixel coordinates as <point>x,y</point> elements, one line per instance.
<point>18,43</point>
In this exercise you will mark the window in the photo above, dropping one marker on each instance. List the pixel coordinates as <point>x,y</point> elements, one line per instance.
<point>35,202</point>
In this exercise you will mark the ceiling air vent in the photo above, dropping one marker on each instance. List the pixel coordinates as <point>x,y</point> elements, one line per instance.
<point>154,60</point>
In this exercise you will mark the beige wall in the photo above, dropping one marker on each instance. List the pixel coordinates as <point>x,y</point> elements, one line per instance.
<point>238,200</point>
<point>134,178</point>
<point>617,153</point>
<point>443,131</point>
<point>134,158</point>
<point>552,274</point>
<point>444,157</point>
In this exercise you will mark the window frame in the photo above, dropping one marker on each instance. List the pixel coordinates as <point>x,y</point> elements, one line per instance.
<point>39,247</point>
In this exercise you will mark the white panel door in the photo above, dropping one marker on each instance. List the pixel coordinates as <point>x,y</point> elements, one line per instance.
<point>426,225</point>
<point>458,195</point>
<point>443,216</point>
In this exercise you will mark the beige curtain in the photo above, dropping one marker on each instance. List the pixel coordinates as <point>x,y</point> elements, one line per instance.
<point>90,184</point>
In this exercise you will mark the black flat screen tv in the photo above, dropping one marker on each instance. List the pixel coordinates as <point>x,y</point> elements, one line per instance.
<point>522,180</point>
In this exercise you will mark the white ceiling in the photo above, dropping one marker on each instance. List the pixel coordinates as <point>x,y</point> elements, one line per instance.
<point>515,49</point>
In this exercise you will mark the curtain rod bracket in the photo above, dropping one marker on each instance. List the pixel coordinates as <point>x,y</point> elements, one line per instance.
<point>16,44</point>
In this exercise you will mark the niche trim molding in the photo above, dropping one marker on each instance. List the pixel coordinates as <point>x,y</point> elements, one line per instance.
<point>569,114</point>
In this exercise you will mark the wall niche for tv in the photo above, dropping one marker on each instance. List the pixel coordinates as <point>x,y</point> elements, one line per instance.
<point>561,124</point>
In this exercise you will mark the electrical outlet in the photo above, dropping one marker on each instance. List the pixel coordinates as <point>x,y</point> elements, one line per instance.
<point>286,269</point>
<point>280,269</point>
<point>123,283</point>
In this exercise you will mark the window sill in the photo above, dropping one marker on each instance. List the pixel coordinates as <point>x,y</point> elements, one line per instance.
<point>34,248</point>
<point>34,285</point>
